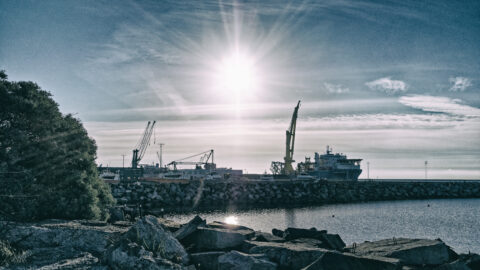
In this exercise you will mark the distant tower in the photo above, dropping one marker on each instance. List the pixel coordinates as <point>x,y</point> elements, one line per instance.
<point>160,154</point>
<point>426,163</point>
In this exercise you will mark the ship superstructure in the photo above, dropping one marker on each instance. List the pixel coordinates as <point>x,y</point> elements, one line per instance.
<point>331,166</point>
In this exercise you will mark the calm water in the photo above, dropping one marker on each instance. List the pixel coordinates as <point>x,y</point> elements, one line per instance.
<point>455,221</point>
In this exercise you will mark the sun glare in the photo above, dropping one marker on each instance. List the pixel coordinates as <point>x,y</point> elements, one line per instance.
<point>237,75</point>
<point>231,220</point>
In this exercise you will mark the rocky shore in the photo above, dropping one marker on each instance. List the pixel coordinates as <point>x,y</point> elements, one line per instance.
<point>155,243</point>
<point>173,197</point>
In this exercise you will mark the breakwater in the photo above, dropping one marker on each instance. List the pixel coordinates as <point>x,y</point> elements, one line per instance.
<point>186,196</point>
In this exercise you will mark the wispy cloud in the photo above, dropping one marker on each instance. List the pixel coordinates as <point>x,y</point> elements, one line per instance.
<point>439,104</point>
<point>460,84</point>
<point>336,88</point>
<point>388,85</point>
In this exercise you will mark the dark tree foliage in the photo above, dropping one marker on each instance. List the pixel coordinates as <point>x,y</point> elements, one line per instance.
<point>47,160</point>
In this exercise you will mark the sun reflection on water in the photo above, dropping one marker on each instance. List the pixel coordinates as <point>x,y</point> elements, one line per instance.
<point>231,220</point>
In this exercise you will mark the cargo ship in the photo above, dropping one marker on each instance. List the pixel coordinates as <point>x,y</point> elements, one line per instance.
<point>330,166</point>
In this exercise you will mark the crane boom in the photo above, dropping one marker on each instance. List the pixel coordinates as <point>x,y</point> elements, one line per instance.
<point>290,144</point>
<point>142,144</point>
<point>206,159</point>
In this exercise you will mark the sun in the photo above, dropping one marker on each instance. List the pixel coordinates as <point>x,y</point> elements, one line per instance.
<point>236,74</point>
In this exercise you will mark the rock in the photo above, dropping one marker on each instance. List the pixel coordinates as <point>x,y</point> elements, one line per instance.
<point>267,237</point>
<point>149,233</point>
<point>310,242</point>
<point>330,241</point>
<point>277,232</point>
<point>66,234</point>
<point>295,233</point>
<point>222,225</point>
<point>409,251</point>
<point>287,255</point>
<point>235,260</point>
<point>219,239</point>
<point>189,228</point>
<point>170,224</point>
<point>334,260</point>
<point>472,260</point>
<point>456,265</point>
<point>129,255</point>
<point>206,260</point>
<point>333,241</point>
<point>85,261</point>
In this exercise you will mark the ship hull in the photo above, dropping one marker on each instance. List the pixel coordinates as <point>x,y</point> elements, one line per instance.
<point>337,175</point>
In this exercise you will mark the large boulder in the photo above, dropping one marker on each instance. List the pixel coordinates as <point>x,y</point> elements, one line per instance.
<point>220,239</point>
<point>206,260</point>
<point>85,261</point>
<point>295,233</point>
<point>310,242</point>
<point>189,228</point>
<point>286,255</point>
<point>333,241</point>
<point>267,237</point>
<point>334,260</point>
<point>235,260</point>
<point>126,255</point>
<point>84,236</point>
<point>149,233</point>
<point>330,241</point>
<point>409,251</point>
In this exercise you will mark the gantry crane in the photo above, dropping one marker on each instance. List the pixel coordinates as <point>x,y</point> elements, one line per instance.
<point>286,166</point>
<point>142,144</point>
<point>206,159</point>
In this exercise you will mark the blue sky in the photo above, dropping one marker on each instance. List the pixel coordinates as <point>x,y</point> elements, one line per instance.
<point>393,82</point>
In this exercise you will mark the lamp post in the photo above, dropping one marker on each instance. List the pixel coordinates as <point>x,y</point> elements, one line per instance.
<point>426,163</point>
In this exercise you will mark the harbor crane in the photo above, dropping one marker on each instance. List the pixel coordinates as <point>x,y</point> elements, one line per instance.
<point>286,166</point>
<point>142,144</point>
<point>206,159</point>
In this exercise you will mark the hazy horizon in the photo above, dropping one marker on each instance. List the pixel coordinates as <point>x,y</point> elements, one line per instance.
<point>393,83</point>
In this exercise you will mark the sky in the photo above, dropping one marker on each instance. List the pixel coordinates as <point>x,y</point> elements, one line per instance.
<point>395,83</point>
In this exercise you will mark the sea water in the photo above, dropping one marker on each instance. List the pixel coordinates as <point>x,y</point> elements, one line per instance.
<point>455,221</point>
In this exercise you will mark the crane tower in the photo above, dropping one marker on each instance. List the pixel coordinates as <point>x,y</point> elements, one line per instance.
<point>142,144</point>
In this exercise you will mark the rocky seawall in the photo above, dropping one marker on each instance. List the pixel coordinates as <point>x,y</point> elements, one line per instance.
<point>156,244</point>
<point>171,197</point>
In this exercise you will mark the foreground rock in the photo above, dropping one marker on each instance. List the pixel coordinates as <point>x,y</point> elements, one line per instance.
<point>206,260</point>
<point>333,260</point>
<point>286,255</point>
<point>147,245</point>
<point>241,261</point>
<point>221,239</point>
<point>409,251</point>
<point>153,243</point>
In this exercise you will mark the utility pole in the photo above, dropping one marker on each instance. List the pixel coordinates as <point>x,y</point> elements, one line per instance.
<point>123,161</point>
<point>426,163</point>
<point>160,155</point>
<point>368,170</point>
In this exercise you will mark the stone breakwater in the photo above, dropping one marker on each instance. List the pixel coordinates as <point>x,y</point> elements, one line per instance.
<point>250,194</point>
<point>158,244</point>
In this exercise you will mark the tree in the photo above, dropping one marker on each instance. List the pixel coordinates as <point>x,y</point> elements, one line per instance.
<point>47,160</point>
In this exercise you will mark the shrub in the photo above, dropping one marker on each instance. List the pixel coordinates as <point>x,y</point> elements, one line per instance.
<point>47,160</point>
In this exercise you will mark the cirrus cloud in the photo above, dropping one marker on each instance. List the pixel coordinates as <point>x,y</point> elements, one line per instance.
<point>388,85</point>
<point>440,105</point>
<point>336,88</point>
<point>459,84</point>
